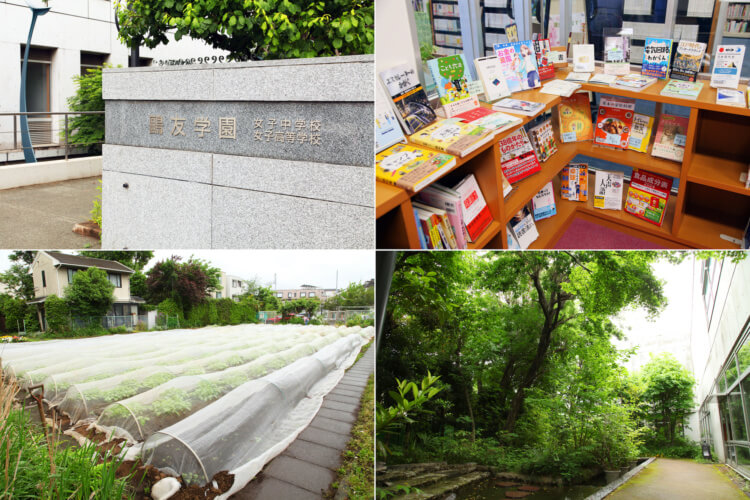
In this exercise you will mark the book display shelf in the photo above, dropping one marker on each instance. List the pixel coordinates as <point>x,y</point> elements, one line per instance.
<point>711,200</point>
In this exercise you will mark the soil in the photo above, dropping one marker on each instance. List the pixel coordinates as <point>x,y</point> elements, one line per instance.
<point>528,487</point>
<point>517,494</point>
<point>507,484</point>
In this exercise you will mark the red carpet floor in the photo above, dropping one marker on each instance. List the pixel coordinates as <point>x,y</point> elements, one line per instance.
<point>583,235</point>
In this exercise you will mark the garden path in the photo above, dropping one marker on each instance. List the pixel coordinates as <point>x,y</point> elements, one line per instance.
<point>667,479</point>
<point>308,466</point>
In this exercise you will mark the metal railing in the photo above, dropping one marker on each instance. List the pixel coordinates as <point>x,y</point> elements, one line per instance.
<point>66,133</point>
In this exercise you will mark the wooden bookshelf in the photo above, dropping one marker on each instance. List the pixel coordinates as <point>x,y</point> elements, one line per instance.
<point>711,200</point>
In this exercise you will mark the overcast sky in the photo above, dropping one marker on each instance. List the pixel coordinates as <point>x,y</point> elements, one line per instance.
<point>292,267</point>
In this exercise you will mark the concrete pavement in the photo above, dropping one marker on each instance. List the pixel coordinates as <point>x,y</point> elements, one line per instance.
<point>668,479</point>
<point>43,215</point>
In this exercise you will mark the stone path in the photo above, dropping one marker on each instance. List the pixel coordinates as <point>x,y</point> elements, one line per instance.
<point>42,216</point>
<point>668,479</point>
<point>308,466</point>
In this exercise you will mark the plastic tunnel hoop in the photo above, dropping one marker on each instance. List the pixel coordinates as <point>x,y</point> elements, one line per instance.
<point>192,451</point>
<point>135,419</point>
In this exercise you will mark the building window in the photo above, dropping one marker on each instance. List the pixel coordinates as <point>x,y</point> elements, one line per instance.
<point>90,60</point>
<point>115,279</point>
<point>280,295</point>
<point>289,295</point>
<point>71,273</point>
<point>38,93</point>
<point>710,282</point>
<point>218,295</point>
<point>44,280</point>
<point>302,294</point>
<point>311,294</point>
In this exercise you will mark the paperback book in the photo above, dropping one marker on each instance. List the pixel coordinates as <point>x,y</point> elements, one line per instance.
<point>490,74</point>
<point>524,229</point>
<point>489,119</point>
<point>574,76</point>
<point>671,136</point>
<point>449,200</point>
<point>439,219</point>
<point>634,82</point>
<point>453,108</point>
<point>429,234</point>
<point>603,79</point>
<point>543,203</point>
<point>543,140</point>
<point>608,190</point>
<point>453,137</point>
<point>574,182</point>
<point>687,60</point>
<point>730,97</point>
<point>410,167</point>
<point>517,157</point>
<point>560,87</point>
<point>648,195</point>
<point>616,55</point>
<point>387,129</point>
<point>640,134</point>
<point>518,61</point>
<point>519,107</point>
<point>614,121</point>
<point>583,58</point>
<point>682,89</point>
<point>476,214</point>
<point>657,53</point>
<point>727,66</point>
<point>409,98</point>
<point>543,62</point>
<point>574,114</point>
<point>451,76</point>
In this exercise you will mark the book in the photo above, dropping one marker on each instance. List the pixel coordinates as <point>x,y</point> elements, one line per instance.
<point>453,108</point>
<point>670,138</point>
<point>476,213</point>
<point>543,203</point>
<point>523,227</point>
<point>603,79</point>
<point>511,32</point>
<point>489,119</point>
<point>438,195</point>
<point>616,55</point>
<point>517,158</point>
<point>518,61</point>
<point>409,98</point>
<point>687,60</point>
<point>519,107</point>
<point>511,238</point>
<point>727,66</point>
<point>560,87</point>
<point>451,76</point>
<point>574,182</point>
<point>387,128</point>
<point>574,115</point>
<point>420,230</point>
<point>440,221</point>
<point>490,74</point>
<point>410,167</point>
<point>683,89</point>
<point>730,97</point>
<point>657,53</point>
<point>608,190</point>
<point>640,133</point>
<point>634,82</point>
<point>452,137</point>
<point>578,77</point>
<point>647,196</point>
<point>542,139</point>
<point>583,58</point>
<point>429,223</point>
<point>543,62</point>
<point>614,121</point>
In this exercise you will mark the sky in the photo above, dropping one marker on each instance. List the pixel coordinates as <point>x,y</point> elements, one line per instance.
<point>291,267</point>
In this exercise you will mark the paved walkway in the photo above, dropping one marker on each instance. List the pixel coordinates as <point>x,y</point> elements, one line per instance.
<point>308,466</point>
<point>43,216</point>
<point>668,479</point>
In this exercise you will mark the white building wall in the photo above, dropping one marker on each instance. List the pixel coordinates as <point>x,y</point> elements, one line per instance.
<point>70,27</point>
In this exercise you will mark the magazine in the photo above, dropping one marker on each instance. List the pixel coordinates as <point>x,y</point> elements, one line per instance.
<point>518,61</point>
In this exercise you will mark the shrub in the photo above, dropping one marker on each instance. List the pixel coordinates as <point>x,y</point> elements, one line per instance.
<point>170,308</point>
<point>224,310</point>
<point>87,130</point>
<point>58,315</point>
<point>295,321</point>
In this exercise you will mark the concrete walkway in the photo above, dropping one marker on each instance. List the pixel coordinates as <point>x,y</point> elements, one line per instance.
<point>308,466</point>
<point>43,216</point>
<point>668,479</point>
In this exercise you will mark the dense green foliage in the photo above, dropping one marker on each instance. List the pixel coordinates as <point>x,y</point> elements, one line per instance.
<point>18,277</point>
<point>134,259</point>
<point>90,293</point>
<point>522,344</point>
<point>254,29</point>
<point>16,311</point>
<point>308,306</point>
<point>356,294</point>
<point>185,283</point>
<point>86,130</point>
<point>57,314</point>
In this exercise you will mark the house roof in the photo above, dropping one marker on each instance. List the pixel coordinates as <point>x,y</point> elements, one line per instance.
<point>86,262</point>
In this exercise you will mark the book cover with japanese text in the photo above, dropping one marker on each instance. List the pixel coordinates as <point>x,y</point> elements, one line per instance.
<point>451,76</point>
<point>614,121</point>
<point>410,167</point>
<point>640,134</point>
<point>671,137</point>
<point>648,195</point>
<point>608,190</point>
<point>517,157</point>
<point>687,60</point>
<point>574,114</point>
<point>657,53</point>
<point>409,98</point>
<point>574,184</point>
<point>518,61</point>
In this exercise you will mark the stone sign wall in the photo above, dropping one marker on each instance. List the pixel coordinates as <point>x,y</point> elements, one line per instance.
<point>272,154</point>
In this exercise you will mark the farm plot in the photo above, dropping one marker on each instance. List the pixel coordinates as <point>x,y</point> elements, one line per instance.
<point>196,404</point>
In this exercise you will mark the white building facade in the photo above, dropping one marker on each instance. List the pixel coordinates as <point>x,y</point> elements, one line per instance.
<point>231,287</point>
<point>720,344</point>
<point>73,36</point>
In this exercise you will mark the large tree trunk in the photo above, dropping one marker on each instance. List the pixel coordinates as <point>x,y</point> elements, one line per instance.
<point>471,413</point>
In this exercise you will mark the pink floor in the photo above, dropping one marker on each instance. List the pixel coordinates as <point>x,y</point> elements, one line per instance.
<point>585,235</point>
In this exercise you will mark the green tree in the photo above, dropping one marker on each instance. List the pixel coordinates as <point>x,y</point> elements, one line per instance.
<point>18,277</point>
<point>186,283</point>
<point>668,394</point>
<point>356,294</point>
<point>87,130</point>
<point>254,29</point>
<point>90,293</point>
<point>57,315</point>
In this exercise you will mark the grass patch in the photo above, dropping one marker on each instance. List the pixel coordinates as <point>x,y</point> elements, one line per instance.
<point>356,476</point>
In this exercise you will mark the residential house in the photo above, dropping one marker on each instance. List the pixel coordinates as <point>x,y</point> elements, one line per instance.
<point>230,287</point>
<point>305,292</point>
<point>53,272</point>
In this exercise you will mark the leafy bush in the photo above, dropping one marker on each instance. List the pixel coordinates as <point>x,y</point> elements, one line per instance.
<point>295,321</point>
<point>679,448</point>
<point>96,211</point>
<point>358,320</point>
<point>224,310</point>
<point>58,315</point>
<point>118,329</point>
<point>170,308</point>
<point>87,130</point>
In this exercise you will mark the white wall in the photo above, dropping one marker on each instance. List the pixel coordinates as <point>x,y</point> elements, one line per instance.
<point>70,27</point>
<point>396,35</point>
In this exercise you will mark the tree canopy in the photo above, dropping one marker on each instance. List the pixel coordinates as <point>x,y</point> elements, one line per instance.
<point>356,294</point>
<point>18,277</point>
<point>90,293</point>
<point>254,29</point>
<point>186,283</point>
